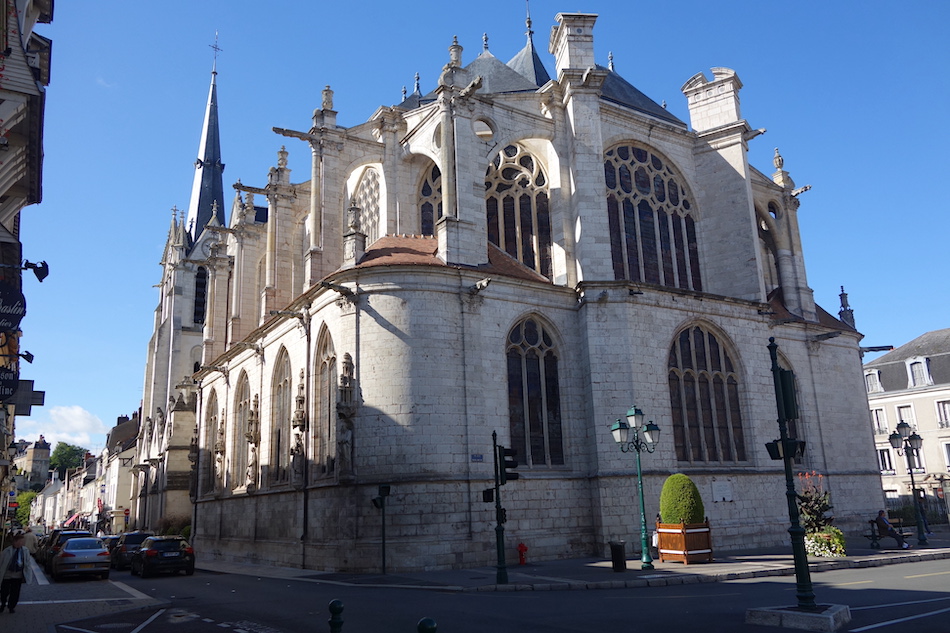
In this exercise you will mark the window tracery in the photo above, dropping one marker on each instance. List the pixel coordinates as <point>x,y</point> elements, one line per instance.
<point>282,394</point>
<point>704,399</point>
<point>652,229</point>
<point>430,201</point>
<point>534,400</point>
<point>242,405</point>
<point>324,427</point>
<point>367,199</point>
<point>517,208</point>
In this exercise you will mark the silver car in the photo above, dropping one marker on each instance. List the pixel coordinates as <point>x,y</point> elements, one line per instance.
<point>81,556</point>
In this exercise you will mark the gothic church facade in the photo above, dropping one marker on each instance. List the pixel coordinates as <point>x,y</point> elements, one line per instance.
<point>513,252</point>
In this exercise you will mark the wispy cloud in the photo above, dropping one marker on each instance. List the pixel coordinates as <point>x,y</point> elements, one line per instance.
<point>105,84</point>
<point>71,424</point>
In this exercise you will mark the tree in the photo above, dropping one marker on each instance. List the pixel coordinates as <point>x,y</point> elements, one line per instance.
<point>66,456</point>
<point>24,499</point>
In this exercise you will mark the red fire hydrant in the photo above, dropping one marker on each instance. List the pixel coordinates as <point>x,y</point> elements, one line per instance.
<point>522,550</point>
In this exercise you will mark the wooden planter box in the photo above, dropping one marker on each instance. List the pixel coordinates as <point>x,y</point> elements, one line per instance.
<point>686,542</point>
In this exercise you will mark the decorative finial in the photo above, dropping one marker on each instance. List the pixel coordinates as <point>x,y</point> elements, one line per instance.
<point>404,93</point>
<point>455,53</point>
<point>327,96</point>
<point>777,160</point>
<point>610,62</point>
<point>485,42</point>
<point>664,104</point>
<point>416,88</point>
<point>282,157</point>
<point>217,49</point>
<point>527,22</point>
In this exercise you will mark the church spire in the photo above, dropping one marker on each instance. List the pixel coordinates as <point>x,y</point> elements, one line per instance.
<point>527,63</point>
<point>208,186</point>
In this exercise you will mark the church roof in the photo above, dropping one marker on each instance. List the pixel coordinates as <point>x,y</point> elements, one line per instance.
<point>497,77</point>
<point>527,63</point>
<point>620,91</point>
<point>420,250</point>
<point>208,187</point>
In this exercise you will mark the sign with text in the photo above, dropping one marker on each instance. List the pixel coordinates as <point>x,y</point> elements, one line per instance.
<point>12,307</point>
<point>9,381</point>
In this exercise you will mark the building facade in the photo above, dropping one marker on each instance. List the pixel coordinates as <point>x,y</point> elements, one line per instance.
<point>515,252</point>
<point>912,384</point>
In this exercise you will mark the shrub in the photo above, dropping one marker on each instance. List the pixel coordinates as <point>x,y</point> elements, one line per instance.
<point>186,532</point>
<point>171,525</point>
<point>680,501</point>
<point>814,503</point>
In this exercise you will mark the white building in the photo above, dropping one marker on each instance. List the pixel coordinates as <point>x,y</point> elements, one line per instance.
<point>514,251</point>
<point>912,384</point>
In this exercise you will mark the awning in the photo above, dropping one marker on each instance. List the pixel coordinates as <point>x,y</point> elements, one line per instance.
<point>71,519</point>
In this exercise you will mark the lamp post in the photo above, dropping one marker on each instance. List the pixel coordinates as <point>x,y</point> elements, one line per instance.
<point>907,442</point>
<point>651,434</point>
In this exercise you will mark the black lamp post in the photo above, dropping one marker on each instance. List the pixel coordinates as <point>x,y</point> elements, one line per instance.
<point>907,443</point>
<point>651,434</point>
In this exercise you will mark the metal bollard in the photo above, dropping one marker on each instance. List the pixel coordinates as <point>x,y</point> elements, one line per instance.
<point>426,625</point>
<point>336,617</point>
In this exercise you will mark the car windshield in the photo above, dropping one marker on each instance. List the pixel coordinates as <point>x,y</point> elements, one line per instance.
<point>134,539</point>
<point>66,537</point>
<point>83,543</point>
<point>169,545</point>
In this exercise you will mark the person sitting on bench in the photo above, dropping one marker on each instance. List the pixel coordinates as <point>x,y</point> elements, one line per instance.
<point>885,528</point>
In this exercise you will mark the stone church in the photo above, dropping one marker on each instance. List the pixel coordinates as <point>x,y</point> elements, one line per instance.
<point>515,251</point>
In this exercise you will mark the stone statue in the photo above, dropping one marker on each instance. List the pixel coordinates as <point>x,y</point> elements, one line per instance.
<point>252,467</point>
<point>344,443</point>
<point>297,461</point>
<point>327,98</point>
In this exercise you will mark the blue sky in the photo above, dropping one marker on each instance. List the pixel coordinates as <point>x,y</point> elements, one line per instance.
<point>854,94</point>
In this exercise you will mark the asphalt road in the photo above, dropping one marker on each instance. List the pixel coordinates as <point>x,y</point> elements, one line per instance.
<point>896,598</point>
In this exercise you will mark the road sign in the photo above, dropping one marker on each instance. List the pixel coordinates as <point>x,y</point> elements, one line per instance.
<point>126,512</point>
<point>13,504</point>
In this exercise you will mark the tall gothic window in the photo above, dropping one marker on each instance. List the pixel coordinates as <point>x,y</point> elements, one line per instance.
<point>242,405</point>
<point>652,232</point>
<point>516,200</point>
<point>324,424</point>
<point>367,199</point>
<point>281,410</point>
<point>534,398</point>
<point>212,428</point>
<point>704,399</point>
<point>430,201</point>
<point>201,294</point>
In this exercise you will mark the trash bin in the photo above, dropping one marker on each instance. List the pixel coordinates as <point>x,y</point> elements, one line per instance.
<point>618,555</point>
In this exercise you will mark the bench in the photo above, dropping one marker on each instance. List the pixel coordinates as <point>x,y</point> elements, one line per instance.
<point>874,535</point>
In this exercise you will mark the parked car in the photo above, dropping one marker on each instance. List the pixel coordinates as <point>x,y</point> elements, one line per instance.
<point>126,546</point>
<point>55,542</point>
<point>163,553</point>
<point>109,540</point>
<point>80,555</point>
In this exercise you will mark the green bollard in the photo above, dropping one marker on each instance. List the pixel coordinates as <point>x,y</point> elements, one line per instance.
<point>426,625</point>
<point>336,617</point>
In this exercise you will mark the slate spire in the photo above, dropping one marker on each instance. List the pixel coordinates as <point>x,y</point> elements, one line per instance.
<point>527,63</point>
<point>208,186</point>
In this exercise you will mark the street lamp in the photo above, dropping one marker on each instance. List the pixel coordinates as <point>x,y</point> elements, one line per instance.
<point>908,443</point>
<point>651,434</point>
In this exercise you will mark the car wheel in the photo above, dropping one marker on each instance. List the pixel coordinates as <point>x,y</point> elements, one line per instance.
<point>144,571</point>
<point>134,569</point>
<point>190,571</point>
<point>105,576</point>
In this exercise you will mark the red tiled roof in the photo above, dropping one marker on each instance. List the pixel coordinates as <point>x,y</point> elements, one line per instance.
<point>420,250</point>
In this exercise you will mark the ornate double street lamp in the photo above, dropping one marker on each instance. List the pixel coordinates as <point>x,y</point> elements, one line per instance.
<point>651,434</point>
<point>908,443</point>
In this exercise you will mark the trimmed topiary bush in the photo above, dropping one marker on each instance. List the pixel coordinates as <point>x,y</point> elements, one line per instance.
<point>680,501</point>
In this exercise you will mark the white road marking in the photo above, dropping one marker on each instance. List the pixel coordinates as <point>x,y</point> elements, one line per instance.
<point>898,621</point>
<point>147,622</point>
<point>135,593</point>
<point>898,604</point>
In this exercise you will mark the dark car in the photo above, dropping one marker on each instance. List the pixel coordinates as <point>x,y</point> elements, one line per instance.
<point>126,546</point>
<point>83,555</point>
<point>55,543</point>
<point>109,540</point>
<point>163,553</point>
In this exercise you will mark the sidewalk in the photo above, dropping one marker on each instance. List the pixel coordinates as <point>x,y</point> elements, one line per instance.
<point>597,573</point>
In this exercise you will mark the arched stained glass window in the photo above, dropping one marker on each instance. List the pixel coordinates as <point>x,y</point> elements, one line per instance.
<point>704,399</point>
<point>282,406</point>
<point>213,429</point>
<point>517,208</point>
<point>534,400</point>
<point>367,199</point>
<point>430,200</point>
<point>652,231</point>
<point>201,295</point>
<point>324,426</point>
<point>242,405</point>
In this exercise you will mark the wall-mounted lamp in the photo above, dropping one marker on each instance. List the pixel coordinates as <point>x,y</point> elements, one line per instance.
<point>41,270</point>
<point>28,357</point>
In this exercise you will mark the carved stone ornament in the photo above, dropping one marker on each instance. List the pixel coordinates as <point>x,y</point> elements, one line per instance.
<point>251,480</point>
<point>300,415</point>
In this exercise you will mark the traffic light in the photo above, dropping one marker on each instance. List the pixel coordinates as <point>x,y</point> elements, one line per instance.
<point>506,461</point>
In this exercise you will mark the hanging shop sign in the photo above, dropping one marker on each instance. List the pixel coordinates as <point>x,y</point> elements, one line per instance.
<point>12,307</point>
<point>9,381</point>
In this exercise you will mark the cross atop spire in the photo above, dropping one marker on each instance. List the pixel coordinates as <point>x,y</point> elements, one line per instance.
<point>217,49</point>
